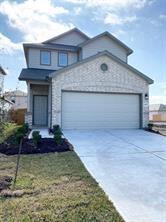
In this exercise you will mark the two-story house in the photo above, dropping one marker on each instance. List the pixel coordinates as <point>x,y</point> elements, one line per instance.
<point>18,97</point>
<point>5,104</point>
<point>80,82</point>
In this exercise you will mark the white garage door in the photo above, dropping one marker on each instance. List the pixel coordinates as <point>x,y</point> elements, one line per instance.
<point>100,110</point>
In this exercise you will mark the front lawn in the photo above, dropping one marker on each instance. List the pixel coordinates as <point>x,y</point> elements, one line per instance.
<point>54,187</point>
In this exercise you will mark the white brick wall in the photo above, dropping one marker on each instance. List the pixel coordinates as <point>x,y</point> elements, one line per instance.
<point>89,77</point>
<point>28,118</point>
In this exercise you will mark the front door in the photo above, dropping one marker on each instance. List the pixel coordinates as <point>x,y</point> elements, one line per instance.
<point>40,110</point>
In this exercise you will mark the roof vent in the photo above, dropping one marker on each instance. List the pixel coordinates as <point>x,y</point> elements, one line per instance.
<point>104,67</point>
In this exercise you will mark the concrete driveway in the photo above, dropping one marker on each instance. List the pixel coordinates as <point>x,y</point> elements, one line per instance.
<point>130,166</point>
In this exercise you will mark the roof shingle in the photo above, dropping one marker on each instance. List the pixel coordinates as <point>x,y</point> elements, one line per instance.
<point>35,74</point>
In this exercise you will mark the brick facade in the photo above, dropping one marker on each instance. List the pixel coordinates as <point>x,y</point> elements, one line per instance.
<point>89,77</point>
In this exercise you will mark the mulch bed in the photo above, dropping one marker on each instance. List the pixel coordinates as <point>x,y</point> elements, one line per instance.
<point>47,145</point>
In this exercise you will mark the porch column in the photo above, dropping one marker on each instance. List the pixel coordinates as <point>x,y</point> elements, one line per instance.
<point>28,97</point>
<point>28,115</point>
<point>49,105</point>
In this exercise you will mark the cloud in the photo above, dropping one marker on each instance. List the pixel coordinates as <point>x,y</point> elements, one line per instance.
<point>114,19</point>
<point>112,4</point>
<point>157,99</point>
<point>35,20</point>
<point>7,46</point>
<point>77,10</point>
<point>113,12</point>
<point>162,16</point>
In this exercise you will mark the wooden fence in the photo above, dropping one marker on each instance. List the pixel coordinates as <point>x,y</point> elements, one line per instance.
<point>18,116</point>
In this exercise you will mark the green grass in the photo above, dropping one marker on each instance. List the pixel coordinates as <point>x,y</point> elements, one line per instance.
<point>6,130</point>
<point>57,188</point>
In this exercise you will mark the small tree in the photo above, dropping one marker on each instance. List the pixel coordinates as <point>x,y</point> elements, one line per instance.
<point>57,134</point>
<point>19,139</point>
<point>36,138</point>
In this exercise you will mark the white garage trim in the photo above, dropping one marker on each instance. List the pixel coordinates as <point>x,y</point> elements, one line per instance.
<point>89,110</point>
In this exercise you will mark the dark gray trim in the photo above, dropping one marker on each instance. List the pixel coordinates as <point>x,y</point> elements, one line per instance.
<point>33,111</point>
<point>6,100</point>
<point>149,80</point>
<point>100,92</point>
<point>63,52</point>
<point>61,107</point>
<point>52,46</point>
<point>66,33</point>
<point>43,50</point>
<point>130,51</point>
<point>2,71</point>
<point>51,105</point>
<point>141,109</point>
<point>35,74</point>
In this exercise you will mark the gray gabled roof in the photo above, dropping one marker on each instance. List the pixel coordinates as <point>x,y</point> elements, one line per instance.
<point>6,100</point>
<point>157,107</point>
<point>35,74</point>
<point>149,80</point>
<point>51,46</point>
<point>129,51</point>
<point>66,33</point>
<point>2,71</point>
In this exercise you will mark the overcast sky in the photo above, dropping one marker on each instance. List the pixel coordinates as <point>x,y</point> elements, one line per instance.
<point>141,24</point>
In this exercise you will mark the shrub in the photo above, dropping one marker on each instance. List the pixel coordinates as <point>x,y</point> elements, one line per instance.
<point>57,134</point>
<point>36,138</point>
<point>58,138</point>
<point>50,130</point>
<point>7,129</point>
<point>150,126</point>
<point>16,138</point>
<point>56,128</point>
<point>25,127</point>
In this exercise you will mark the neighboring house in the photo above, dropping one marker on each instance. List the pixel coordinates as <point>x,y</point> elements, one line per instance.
<point>2,102</point>
<point>80,82</point>
<point>2,74</point>
<point>7,104</point>
<point>18,97</point>
<point>157,112</point>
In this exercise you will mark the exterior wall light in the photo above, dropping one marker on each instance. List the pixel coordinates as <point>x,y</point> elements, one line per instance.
<point>146,96</point>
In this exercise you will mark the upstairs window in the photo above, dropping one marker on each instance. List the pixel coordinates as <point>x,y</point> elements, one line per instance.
<point>45,58</point>
<point>62,59</point>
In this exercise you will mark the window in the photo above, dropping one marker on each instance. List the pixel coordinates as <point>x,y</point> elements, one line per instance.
<point>62,59</point>
<point>45,58</point>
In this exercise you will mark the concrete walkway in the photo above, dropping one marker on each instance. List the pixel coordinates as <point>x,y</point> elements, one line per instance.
<point>130,165</point>
<point>43,132</point>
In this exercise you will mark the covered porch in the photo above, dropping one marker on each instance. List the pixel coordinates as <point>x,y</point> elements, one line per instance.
<point>39,104</point>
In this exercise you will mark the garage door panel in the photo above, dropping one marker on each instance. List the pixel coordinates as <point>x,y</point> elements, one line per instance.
<point>101,117</point>
<point>113,108</point>
<point>99,110</point>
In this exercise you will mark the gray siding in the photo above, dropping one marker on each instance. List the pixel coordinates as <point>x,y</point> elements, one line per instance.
<point>73,38</point>
<point>101,44</point>
<point>34,59</point>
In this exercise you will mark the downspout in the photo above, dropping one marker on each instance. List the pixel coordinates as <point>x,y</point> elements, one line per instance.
<point>51,104</point>
<point>49,79</point>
